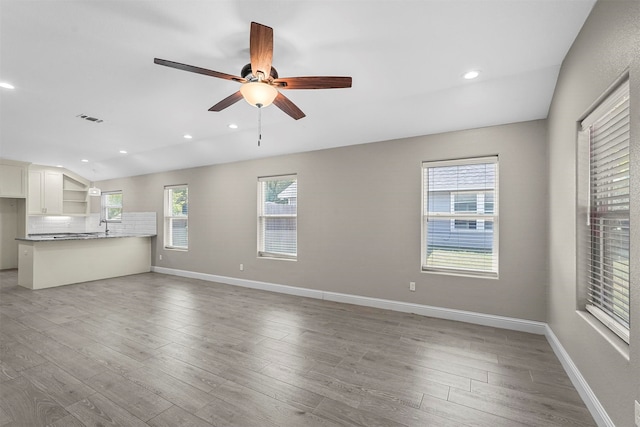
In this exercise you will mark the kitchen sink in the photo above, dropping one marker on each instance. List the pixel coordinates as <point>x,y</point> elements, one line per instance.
<point>75,235</point>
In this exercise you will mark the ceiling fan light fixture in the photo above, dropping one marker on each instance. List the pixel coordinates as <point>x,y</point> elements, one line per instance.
<point>259,78</point>
<point>258,94</point>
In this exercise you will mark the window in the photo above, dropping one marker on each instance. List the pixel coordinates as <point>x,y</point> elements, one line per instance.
<point>278,216</point>
<point>460,216</point>
<point>176,217</point>
<point>471,202</point>
<point>604,202</point>
<point>111,206</point>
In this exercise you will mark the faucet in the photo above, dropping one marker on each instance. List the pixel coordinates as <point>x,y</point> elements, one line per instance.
<point>106,225</point>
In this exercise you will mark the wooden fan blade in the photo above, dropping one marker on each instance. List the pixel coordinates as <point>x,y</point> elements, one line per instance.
<point>227,102</point>
<point>198,70</point>
<point>285,104</point>
<point>320,82</point>
<point>261,49</point>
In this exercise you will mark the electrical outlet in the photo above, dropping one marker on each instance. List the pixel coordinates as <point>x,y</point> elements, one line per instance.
<point>412,286</point>
<point>241,267</point>
<point>637,413</point>
<point>160,257</point>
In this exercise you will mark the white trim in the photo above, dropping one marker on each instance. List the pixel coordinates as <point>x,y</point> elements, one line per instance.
<point>462,161</point>
<point>427,215</point>
<point>609,322</point>
<point>168,187</point>
<point>503,322</point>
<point>262,216</point>
<point>608,103</point>
<point>253,284</point>
<point>589,398</point>
<point>286,177</point>
<point>104,207</point>
<point>167,226</point>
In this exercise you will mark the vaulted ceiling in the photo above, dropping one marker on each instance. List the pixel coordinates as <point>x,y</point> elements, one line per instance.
<point>407,58</point>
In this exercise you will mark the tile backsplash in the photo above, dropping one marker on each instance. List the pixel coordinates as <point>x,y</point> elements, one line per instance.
<point>132,223</point>
<point>57,224</point>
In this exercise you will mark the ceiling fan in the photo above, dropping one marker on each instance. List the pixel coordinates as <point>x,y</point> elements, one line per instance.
<point>261,84</point>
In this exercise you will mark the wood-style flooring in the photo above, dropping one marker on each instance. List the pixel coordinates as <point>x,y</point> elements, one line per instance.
<point>157,350</point>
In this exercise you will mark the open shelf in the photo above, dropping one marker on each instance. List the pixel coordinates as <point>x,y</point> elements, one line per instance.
<point>74,196</point>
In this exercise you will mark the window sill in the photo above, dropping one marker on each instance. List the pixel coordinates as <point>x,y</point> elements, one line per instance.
<point>169,248</point>
<point>616,342</point>
<point>277,258</point>
<point>459,273</point>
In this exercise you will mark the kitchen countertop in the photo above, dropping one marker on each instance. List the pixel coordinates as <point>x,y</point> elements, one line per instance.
<point>51,237</point>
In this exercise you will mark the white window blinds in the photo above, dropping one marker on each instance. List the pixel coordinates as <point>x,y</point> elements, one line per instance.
<point>278,216</point>
<point>460,216</point>
<point>111,206</point>
<point>176,217</point>
<point>605,134</point>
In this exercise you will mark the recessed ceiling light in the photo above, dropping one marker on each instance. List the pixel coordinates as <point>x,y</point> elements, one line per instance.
<point>187,136</point>
<point>84,161</point>
<point>123,151</point>
<point>469,75</point>
<point>233,126</point>
<point>59,166</point>
<point>6,85</point>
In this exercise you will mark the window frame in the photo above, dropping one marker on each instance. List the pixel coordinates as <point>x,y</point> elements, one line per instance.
<point>262,219</point>
<point>104,207</point>
<point>169,218</point>
<point>594,241</point>
<point>453,216</point>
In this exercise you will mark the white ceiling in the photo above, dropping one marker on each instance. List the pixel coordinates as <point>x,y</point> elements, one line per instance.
<point>406,58</point>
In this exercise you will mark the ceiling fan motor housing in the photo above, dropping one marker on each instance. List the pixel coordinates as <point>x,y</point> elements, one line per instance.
<point>247,74</point>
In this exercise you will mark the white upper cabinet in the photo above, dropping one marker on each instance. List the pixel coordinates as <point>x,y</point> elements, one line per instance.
<point>45,192</point>
<point>13,179</point>
<point>57,192</point>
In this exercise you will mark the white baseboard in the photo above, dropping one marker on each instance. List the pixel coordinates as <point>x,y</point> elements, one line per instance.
<point>253,284</point>
<point>591,401</point>
<point>597,411</point>
<point>440,313</point>
<point>405,307</point>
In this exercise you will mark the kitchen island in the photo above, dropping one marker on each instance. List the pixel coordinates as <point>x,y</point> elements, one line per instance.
<point>48,260</point>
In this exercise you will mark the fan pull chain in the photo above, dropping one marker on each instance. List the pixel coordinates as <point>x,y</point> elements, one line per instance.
<point>259,123</point>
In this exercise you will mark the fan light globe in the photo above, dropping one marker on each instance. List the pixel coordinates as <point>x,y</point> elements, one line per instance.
<point>470,75</point>
<point>258,94</point>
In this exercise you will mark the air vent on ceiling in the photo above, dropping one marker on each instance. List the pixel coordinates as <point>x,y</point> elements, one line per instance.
<point>89,118</point>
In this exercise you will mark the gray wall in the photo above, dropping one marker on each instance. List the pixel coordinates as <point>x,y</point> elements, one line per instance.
<point>359,220</point>
<point>608,44</point>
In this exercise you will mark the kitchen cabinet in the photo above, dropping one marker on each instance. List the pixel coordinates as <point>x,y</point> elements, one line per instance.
<point>13,179</point>
<point>45,192</point>
<point>56,262</point>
